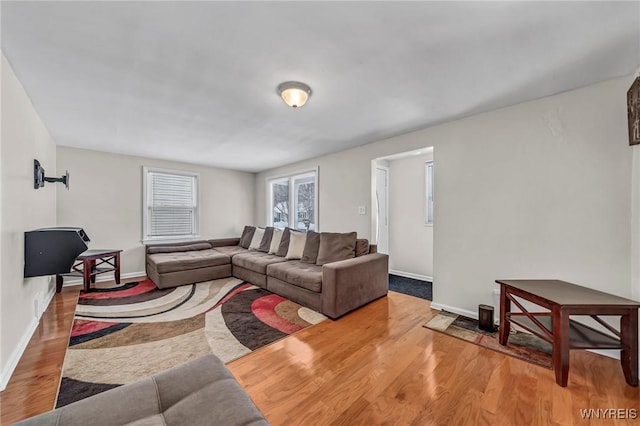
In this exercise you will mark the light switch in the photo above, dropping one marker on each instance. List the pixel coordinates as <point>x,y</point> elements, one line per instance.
<point>362,209</point>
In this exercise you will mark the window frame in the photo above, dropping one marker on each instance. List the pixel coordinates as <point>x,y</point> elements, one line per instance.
<point>290,177</point>
<point>429,205</point>
<point>146,205</point>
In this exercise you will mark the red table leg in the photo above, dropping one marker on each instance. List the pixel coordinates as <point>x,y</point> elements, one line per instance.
<point>86,274</point>
<point>505,306</point>
<point>561,346</point>
<point>629,338</point>
<point>116,273</point>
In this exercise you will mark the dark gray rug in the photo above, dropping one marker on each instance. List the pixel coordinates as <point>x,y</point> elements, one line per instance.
<point>410,286</point>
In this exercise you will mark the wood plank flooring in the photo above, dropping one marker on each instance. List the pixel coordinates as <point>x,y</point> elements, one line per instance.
<point>33,387</point>
<point>377,365</point>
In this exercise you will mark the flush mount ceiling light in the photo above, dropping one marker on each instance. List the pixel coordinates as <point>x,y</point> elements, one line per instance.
<point>294,93</point>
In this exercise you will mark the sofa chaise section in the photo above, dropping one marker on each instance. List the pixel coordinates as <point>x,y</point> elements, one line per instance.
<point>185,263</point>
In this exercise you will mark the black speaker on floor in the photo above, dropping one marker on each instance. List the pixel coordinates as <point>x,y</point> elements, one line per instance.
<point>485,318</point>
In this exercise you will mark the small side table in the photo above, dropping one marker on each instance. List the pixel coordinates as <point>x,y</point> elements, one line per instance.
<point>90,264</point>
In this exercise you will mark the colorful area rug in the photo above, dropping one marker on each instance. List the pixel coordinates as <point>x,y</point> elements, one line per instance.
<point>125,333</point>
<point>521,345</point>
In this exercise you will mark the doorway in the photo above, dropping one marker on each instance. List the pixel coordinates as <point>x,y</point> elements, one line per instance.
<point>402,218</point>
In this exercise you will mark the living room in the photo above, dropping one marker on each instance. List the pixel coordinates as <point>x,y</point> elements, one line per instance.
<point>534,173</point>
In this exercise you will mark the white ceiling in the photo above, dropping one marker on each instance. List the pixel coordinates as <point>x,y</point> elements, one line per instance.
<point>196,81</point>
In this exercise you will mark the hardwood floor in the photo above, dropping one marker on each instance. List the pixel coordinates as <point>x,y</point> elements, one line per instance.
<point>377,365</point>
<point>33,387</point>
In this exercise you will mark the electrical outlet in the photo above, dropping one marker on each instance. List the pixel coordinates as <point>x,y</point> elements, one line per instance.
<point>362,209</point>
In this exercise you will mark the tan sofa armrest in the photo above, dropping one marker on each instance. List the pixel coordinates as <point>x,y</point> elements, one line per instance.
<point>349,284</point>
<point>224,242</point>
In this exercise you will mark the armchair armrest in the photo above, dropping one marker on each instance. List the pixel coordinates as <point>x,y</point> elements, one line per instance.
<point>349,284</point>
<point>223,242</point>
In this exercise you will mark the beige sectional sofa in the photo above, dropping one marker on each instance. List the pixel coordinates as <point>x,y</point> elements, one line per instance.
<point>328,272</point>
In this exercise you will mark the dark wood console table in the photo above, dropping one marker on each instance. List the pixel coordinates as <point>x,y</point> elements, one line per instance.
<point>90,264</point>
<point>564,299</point>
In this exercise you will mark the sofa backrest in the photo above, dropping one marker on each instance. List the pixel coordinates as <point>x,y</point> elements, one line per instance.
<point>178,247</point>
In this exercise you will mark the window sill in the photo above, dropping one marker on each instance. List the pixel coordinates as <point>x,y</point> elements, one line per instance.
<point>163,240</point>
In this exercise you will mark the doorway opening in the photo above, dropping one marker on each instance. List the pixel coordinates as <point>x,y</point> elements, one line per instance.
<point>402,218</point>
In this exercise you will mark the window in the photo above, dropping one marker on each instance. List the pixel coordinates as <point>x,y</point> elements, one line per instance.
<point>428,173</point>
<point>293,201</point>
<point>170,204</point>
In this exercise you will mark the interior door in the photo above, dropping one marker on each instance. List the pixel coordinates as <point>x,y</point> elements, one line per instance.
<point>382,199</point>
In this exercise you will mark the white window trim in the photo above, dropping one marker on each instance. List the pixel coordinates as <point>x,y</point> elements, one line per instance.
<point>426,193</point>
<point>269,195</point>
<point>146,194</point>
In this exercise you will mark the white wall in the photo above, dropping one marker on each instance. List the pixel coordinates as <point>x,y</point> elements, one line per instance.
<point>105,198</point>
<point>410,240</point>
<point>24,137</point>
<point>537,190</point>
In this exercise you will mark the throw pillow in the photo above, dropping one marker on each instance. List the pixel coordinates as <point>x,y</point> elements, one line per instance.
<point>334,247</point>
<point>247,235</point>
<point>275,241</point>
<point>297,242</point>
<point>284,243</point>
<point>310,253</point>
<point>257,239</point>
<point>362,247</point>
<point>266,240</point>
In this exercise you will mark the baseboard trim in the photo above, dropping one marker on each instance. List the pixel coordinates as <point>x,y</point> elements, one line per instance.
<point>410,275</point>
<point>612,353</point>
<point>454,310</point>
<point>15,356</point>
<point>103,278</point>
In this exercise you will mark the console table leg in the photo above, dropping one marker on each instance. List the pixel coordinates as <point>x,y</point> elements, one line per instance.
<point>629,338</point>
<point>86,274</point>
<point>59,281</point>
<point>117,271</point>
<point>505,306</point>
<point>561,346</point>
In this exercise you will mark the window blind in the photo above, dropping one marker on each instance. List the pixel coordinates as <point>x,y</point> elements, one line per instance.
<point>172,205</point>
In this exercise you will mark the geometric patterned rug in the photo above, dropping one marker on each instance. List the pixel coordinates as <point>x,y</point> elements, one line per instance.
<point>520,345</point>
<point>127,332</point>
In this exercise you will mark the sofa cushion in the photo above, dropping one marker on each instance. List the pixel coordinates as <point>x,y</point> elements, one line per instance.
<point>335,246</point>
<point>311,246</point>
<point>284,242</point>
<point>275,241</point>
<point>298,273</point>
<point>180,261</point>
<point>247,235</point>
<point>231,250</point>
<point>266,240</point>
<point>362,247</point>
<point>256,239</point>
<point>256,261</point>
<point>296,245</point>
<point>178,248</point>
